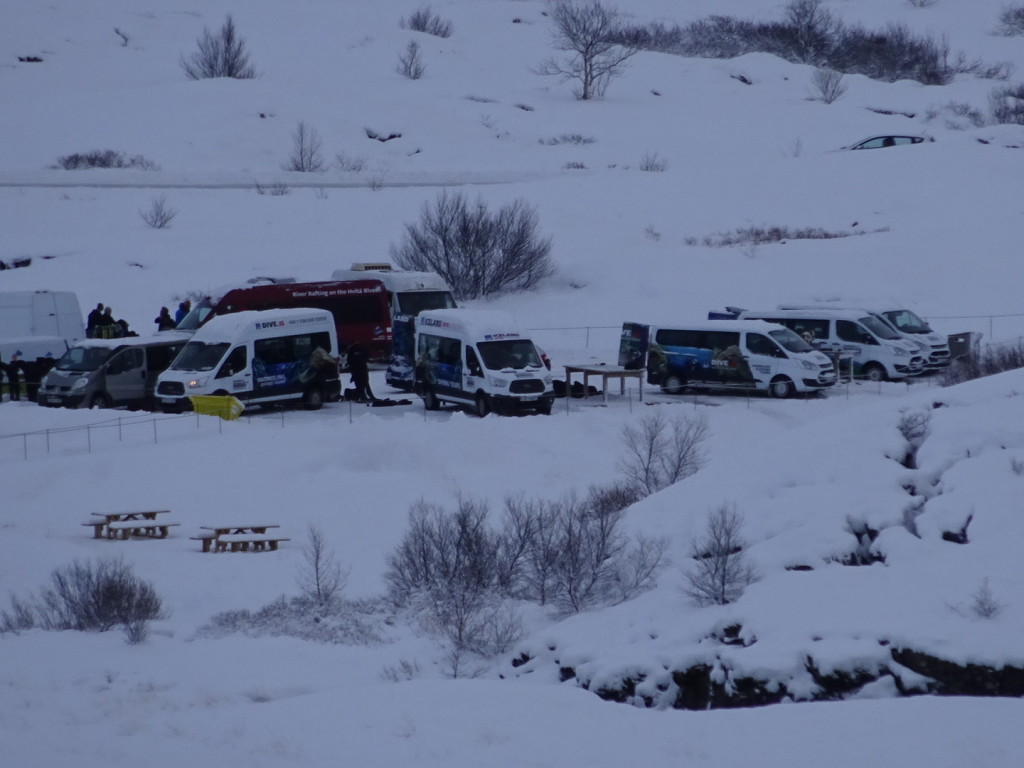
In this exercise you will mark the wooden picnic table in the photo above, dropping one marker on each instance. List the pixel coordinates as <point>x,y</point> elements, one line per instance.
<point>239,538</point>
<point>114,524</point>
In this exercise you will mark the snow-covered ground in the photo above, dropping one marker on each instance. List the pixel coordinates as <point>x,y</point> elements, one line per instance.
<point>936,226</point>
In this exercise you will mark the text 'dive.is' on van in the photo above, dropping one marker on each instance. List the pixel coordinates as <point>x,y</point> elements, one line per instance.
<point>258,357</point>
<point>725,354</point>
<point>480,360</point>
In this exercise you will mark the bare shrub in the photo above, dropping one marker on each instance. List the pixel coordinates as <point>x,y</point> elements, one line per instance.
<point>104,158</point>
<point>321,577</point>
<point>587,31</point>
<point>307,148</point>
<point>1011,21</point>
<point>404,671</point>
<point>995,358</point>
<point>660,452</point>
<point>477,253</point>
<point>423,20</point>
<point>652,163</point>
<point>914,426</point>
<point>88,596</point>
<point>159,215</point>
<point>813,30</point>
<point>1007,105</point>
<point>1017,465</point>
<point>350,164</point>
<point>123,36</point>
<point>762,235</point>
<point>828,85</point>
<point>721,571</point>
<point>410,62</point>
<point>275,189</point>
<point>341,622</point>
<point>575,165</point>
<point>921,3</point>
<point>219,55</point>
<point>984,604</point>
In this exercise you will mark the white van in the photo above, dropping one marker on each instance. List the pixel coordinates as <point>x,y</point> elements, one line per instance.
<point>877,351</point>
<point>749,355</point>
<point>262,357</point>
<point>39,324</point>
<point>110,372</point>
<point>934,347</point>
<point>481,360</point>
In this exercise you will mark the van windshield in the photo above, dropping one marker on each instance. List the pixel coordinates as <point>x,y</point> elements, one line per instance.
<point>511,353</point>
<point>414,302</point>
<point>907,321</point>
<point>879,328</point>
<point>196,316</point>
<point>789,341</point>
<point>199,356</point>
<point>82,359</point>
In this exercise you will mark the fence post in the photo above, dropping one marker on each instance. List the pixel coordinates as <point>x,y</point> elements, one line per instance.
<point>88,436</point>
<point>24,444</point>
<point>154,431</point>
<point>47,442</point>
<point>119,437</point>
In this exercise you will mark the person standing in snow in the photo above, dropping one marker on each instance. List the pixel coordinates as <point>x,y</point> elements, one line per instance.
<point>358,368</point>
<point>164,321</point>
<point>93,321</point>
<point>183,309</point>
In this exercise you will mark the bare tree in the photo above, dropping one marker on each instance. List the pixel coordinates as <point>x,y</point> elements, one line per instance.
<point>410,62</point>
<point>219,55</point>
<point>306,154</point>
<point>321,577</point>
<point>477,253</point>
<point>660,452</point>
<point>586,31</point>
<point>159,215</point>
<point>721,571</point>
<point>984,604</point>
<point>828,85</point>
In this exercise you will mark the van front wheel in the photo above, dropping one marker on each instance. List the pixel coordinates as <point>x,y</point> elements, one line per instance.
<point>874,372</point>
<point>482,407</point>
<point>673,385</point>
<point>781,388</point>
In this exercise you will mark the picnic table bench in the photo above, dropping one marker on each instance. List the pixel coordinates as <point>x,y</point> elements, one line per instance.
<point>122,524</point>
<point>238,538</point>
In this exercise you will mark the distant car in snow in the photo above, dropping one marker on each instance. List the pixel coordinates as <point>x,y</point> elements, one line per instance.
<point>876,142</point>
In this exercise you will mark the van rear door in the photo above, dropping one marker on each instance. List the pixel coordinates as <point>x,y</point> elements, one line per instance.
<point>126,375</point>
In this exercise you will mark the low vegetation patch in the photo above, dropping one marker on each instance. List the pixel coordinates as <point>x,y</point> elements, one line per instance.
<point>104,158</point>
<point>991,360</point>
<point>766,235</point>
<point>808,33</point>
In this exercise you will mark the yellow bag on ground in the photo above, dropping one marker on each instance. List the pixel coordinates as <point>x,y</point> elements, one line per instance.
<point>228,407</point>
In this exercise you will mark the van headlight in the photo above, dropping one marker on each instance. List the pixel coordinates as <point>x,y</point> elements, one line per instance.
<point>808,366</point>
<point>80,383</point>
<point>498,383</point>
<point>900,352</point>
<point>197,383</point>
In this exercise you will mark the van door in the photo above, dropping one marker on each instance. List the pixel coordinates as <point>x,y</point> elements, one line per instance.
<point>126,376</point>
<point>234,376</point>
<point>729,365</point>
<point>472,372</point>
<point>855,339</point>
<point>764,357</point>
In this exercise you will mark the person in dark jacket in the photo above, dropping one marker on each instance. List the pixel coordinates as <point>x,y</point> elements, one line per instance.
<point>358,368</point>
<point>93,321</point>
<point>13,370</point>
<point>164,321</point>
<point>105,326</point>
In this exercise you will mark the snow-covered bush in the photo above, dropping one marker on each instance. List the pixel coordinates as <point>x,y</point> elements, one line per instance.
<point>219,55</point>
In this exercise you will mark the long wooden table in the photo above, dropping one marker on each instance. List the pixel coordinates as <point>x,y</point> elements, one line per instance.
<point>606,372</point>
<point>238,538</point>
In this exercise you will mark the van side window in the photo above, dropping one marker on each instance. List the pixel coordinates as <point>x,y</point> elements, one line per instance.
<point>847,330</point>
<point>128,360</point>
<point>449,352</point>
<point>472,363</point>
<point>234,364</point>
<point>762,345</point>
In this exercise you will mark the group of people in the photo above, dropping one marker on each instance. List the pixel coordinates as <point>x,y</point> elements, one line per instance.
<point>164,321</point>
<point>101,324</point>
<point>13,369</point>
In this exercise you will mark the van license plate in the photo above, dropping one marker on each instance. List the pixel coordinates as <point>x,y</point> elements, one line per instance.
<point>54,400</point>
<point>528,399</point>
<point>168,400</point>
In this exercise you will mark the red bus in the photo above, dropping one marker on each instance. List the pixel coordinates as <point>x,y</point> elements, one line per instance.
<point>360,308</point>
